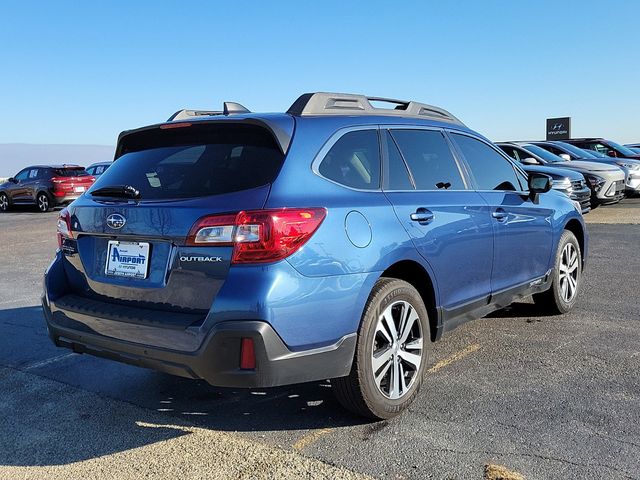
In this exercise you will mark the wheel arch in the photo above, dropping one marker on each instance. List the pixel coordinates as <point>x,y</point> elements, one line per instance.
<point>575,227</point>
<point>416,275</point>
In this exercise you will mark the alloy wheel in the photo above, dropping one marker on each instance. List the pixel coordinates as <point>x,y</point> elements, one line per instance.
<point>569,272</point>
<point>397,349</point>
<point>4,203</point>
<point>43,203</point>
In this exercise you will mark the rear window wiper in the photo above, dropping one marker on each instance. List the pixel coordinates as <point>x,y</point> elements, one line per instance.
<point>117,191</point>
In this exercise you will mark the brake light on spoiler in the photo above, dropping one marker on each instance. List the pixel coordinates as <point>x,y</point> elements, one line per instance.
<point>258,236</point>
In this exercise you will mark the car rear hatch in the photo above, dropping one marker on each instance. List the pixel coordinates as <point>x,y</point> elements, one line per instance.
<point>125,245</point>
<point>70,181</point>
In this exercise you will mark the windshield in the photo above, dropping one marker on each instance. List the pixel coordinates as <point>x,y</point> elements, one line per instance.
<point>621,148</point>
<point>194,161</point>
<point>546,155</point>
<point>597,154</point>
<point>70,172</point>
<point>575,151</point>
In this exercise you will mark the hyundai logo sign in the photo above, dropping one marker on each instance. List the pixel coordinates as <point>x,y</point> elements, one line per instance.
<point>559,128</point>
<point>115,221</point>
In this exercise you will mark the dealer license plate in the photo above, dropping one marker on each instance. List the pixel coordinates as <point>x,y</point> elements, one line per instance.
<point>127,259</point>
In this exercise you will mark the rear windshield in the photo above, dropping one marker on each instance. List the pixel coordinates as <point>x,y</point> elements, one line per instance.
<point>195,161</point>
<point>69,172</point>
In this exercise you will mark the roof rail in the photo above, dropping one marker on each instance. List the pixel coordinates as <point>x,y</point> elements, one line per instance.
<point>228,108</point>
<point>321,103</point>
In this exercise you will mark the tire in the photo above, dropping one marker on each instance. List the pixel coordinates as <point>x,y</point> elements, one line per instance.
<point>360,392</point>
<point>4,202</point>
<point>43,202</point>
<point>567,277</point>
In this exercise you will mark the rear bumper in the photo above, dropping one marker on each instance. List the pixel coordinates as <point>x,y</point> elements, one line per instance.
<point>217,361</point>
<point>66,200</point>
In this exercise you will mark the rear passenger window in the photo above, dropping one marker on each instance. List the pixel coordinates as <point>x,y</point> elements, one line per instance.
<point>490,170</point>
<point>354,160</point>
<point>398,176</point>
<point>429,159</point>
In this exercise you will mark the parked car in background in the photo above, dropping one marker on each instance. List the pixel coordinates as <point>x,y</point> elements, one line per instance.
<point>221,246</point>
<point>46,186</point>
<point>97,169</point>
<point>634,148</point>
<point>605,181</point>
<point>602,145</point>
<point>571,183</point>
<point>629,166</point>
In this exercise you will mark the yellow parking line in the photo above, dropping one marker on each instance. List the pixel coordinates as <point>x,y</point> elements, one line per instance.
<point>455,357</point>
<point>310,438</point>
<point>500,472</point>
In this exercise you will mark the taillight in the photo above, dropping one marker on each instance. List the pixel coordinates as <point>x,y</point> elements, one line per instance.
<point>64,226</point>
<point>258,236</point>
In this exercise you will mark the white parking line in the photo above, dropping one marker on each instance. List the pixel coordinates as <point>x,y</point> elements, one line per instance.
<point>48,361</point>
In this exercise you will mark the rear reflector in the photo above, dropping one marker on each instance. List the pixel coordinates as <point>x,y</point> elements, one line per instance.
<point>247,354</point>
<point>258,236</point>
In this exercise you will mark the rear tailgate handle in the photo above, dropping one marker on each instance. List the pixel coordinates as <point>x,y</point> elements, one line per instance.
<point>422,215</point>
<point>499,214</point>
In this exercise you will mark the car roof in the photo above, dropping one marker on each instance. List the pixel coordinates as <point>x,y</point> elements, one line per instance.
<point>585,139</point>
<point>336,104</point>
<point>339,109</point>
<point>64,165</point>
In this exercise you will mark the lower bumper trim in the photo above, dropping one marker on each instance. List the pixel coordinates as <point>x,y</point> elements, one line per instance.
<point>218,360</point>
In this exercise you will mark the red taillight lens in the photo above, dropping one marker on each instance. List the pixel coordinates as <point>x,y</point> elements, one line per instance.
<point>270,235</point>
<point>64,226</point>
<point>247,354</point>
<point>258,236</point>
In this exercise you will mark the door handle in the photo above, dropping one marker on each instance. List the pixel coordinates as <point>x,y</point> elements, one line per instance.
<point>499,214</point>
<point>422,216</point>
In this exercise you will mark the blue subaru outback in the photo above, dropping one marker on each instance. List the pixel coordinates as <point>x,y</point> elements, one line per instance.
<point>337,240</point>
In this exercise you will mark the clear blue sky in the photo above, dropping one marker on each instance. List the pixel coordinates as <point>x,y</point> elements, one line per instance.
<point>80,72</point>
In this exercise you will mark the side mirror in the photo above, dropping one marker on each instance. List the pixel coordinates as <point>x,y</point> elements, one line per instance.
<point>566,156</point>
<point>612,153</point>
<point>538,183</point>
<point>529,161</point>
<point>12,180</point>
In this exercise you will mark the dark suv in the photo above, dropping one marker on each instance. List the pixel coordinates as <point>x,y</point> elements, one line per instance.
<point>46,186</point>
<point>607,147</point>
<point>337,240</point>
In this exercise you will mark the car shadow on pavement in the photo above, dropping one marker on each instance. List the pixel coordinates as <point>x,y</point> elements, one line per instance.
<point>56,401</point>
<point>521,310</point>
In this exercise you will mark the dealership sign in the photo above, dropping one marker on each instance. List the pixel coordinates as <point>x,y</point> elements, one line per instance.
<point>559,128</point>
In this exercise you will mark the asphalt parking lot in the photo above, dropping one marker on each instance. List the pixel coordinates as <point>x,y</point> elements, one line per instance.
<point>547,397</point>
